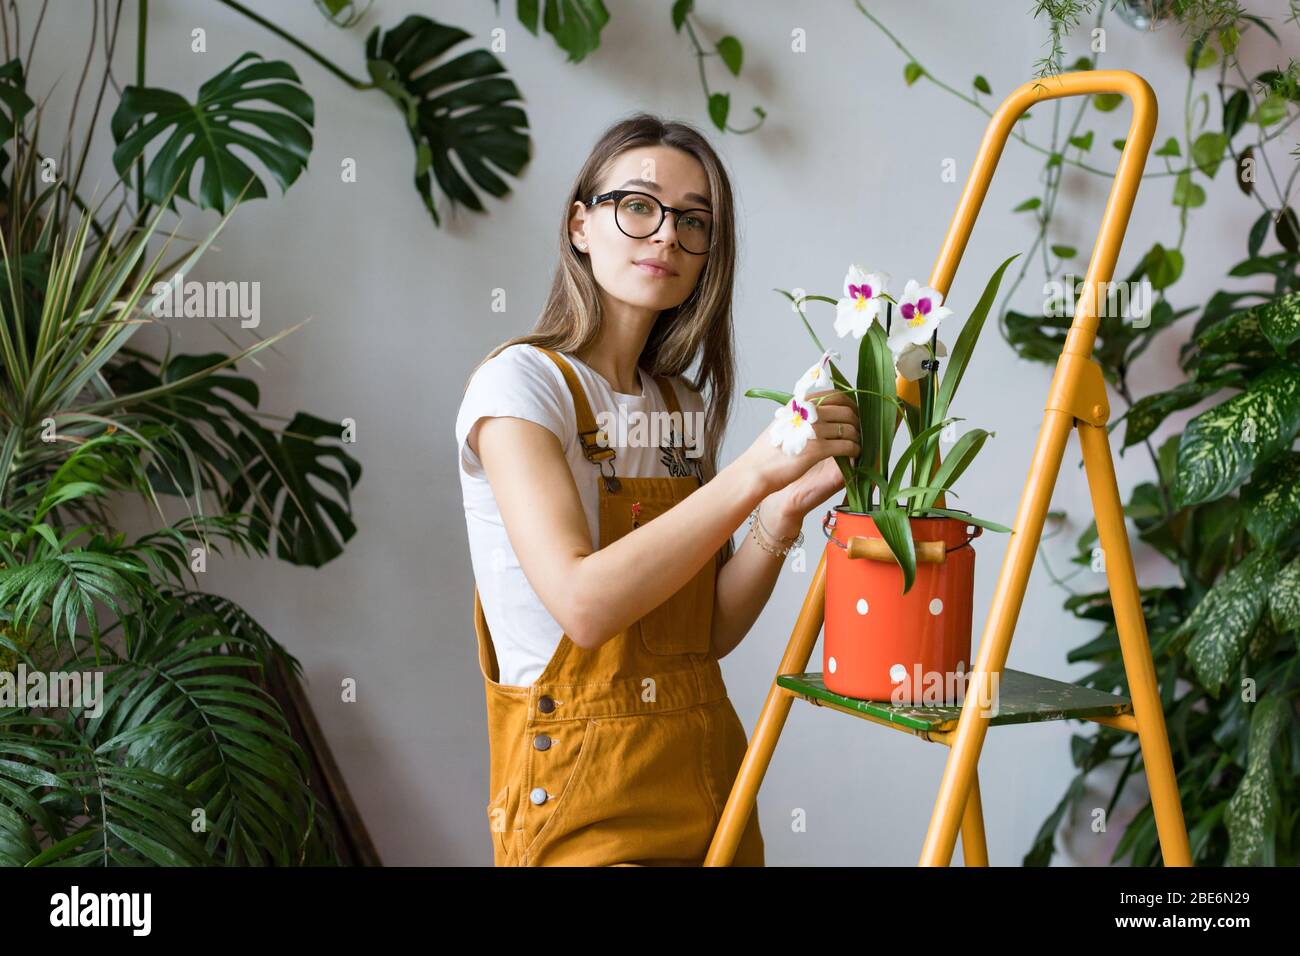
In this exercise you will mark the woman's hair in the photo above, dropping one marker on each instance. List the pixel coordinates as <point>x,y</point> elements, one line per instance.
<point>701,327</point>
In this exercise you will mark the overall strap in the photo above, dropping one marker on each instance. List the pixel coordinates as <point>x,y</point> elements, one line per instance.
<point>587,429</point>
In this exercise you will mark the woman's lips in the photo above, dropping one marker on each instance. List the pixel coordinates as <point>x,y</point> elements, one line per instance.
<point>654,270</point>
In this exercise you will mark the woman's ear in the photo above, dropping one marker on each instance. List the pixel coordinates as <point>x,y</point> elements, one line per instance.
<point>578,226</point>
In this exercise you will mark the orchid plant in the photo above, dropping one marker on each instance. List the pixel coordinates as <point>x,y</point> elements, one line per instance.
<point>896,337</point>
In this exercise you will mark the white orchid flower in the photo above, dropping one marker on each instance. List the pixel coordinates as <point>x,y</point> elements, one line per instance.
<point>816,378</point>
<point>908,361</point>
<point>793,426</point>
<point>920,311</point>
<point>862,301</point>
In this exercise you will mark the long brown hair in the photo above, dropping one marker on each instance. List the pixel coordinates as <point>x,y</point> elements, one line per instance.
<point>700,327</point>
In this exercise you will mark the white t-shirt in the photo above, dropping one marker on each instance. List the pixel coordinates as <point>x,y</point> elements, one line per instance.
<point>521,381</point>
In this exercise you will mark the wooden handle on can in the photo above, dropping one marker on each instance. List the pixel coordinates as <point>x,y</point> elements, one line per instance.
<point>877,549</point>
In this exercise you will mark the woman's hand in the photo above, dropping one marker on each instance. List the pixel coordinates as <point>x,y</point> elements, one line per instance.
<point>810,477</point>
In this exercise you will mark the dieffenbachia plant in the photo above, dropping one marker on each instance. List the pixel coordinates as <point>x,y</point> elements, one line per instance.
<point>906,344</point>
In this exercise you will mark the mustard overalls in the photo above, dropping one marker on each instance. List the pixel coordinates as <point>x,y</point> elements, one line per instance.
<point>623,755</point>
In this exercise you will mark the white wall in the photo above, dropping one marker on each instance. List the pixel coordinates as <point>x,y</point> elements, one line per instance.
<point>847,168</point>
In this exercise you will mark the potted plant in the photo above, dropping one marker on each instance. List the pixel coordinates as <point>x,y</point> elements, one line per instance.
<point>899,563</point>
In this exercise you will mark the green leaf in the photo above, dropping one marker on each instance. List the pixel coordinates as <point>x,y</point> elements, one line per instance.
<point>982,85</point>
<point>1163,266</point>
<point>877,417</point>
<point>1288,230</point>
<point>915,447</point>
<point>1200,54</point>
<point>463,105</point>
<point>1186,192</point>
<point>732,54</point>
<point>1222,446</point>
<point>1272,500</point>
<point>1105,102</point>
<point>1271,109</point>
<point>1064,252</point>
<point>1258,232</point>
<point>1033,202</point>
<point>1279,320</point>
<point>1170,148</point>
<point>719,106</point>
<point>1119,143</point>
<point>1221,624</point>
<point>209,131</point>
<point>957,460</point>
<point>680,9</point>
<point>966,339</point>
<point>1235,111</point>
<point>1146,414</point>
<point>278,488</point>
<point>1252,815</point>
<point>912,72</point>
<point>781,398</point>
<point>574,24</point>
<point>969,519</point>
<point>895,528</point>
<point>1083,142</point>
<point>1284,599</point>
<point>1208,151</point>
<point>1246,185</point>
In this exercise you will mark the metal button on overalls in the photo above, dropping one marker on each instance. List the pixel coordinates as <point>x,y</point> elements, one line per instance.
<point>643,742</point>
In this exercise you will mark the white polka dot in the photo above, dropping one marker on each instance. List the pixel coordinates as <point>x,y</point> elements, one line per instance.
<point>862,605</point>
<point>936,606</point>
<point>897,673</point>
<point>831,664</point>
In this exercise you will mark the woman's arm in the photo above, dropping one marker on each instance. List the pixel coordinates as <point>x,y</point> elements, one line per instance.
<point>597,594</point>
<point>745,582</point>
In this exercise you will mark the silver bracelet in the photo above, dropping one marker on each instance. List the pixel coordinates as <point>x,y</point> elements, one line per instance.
<point>756,524</point>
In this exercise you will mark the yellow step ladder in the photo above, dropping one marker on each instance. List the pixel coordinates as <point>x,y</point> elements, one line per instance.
<point>1076,400</point>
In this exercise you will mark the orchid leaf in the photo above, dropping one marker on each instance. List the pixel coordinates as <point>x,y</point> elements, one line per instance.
<point>897,532</point>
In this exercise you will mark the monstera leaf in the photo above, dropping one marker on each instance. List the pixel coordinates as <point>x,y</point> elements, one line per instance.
<point>209,130</point>
<point>14,101</point>
<point>311,525</point>
<point>575,24</point>
<point>458,106</point>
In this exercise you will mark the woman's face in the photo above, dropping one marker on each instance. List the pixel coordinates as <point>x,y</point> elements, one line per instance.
<point>675,178</point>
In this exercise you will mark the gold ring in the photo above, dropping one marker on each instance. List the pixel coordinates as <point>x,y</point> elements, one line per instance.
<point>840,433</point>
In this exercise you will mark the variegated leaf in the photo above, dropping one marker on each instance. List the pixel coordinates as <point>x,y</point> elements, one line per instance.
<point>1272,500</point>
<point>1284,600</point>
<point>1223,621</point>
<point>1149,411</point>
<point>1279,320</point>
<point>1237,339</point>
<point>1222,446</point>
<point>1251,818</point>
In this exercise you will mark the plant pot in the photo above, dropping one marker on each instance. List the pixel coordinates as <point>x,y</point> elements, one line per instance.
<point>882,644</point>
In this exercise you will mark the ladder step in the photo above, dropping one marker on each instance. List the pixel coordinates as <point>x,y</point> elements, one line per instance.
<point>1022,699</point>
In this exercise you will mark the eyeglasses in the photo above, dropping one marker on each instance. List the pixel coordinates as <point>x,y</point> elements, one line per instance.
<point>639,216</point>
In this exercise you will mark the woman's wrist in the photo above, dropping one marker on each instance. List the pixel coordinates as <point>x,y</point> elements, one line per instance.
<point>781,517</point>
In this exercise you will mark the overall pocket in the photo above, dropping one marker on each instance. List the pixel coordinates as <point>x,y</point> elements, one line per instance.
<point>560,770</point>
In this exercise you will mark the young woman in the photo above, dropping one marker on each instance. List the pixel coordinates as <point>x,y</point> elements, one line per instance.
<point>607,581</point>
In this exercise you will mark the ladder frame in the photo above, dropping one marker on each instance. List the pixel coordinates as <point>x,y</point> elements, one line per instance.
<point>1076,400</point>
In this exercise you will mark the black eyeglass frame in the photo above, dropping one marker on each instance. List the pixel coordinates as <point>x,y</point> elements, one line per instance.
<point>618,194</point>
